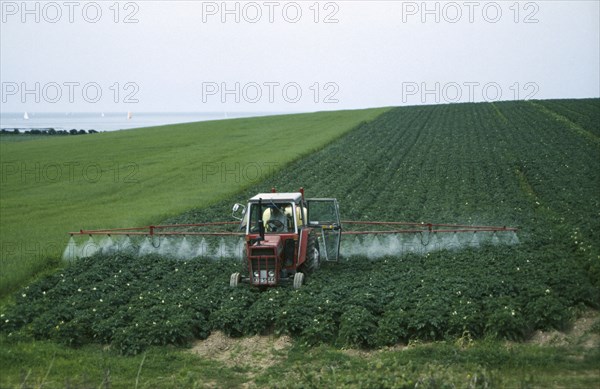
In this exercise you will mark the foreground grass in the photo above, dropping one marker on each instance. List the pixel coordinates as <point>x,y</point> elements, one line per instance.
<point>53,185</point>
<point>488,364</point>
<point>46,364</point>
<point>442,365</point>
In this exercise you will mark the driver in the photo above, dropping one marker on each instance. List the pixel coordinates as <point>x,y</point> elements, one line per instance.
<point>275,219</point>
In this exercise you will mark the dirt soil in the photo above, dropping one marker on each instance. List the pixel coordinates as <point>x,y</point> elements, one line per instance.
<point>252,352</point>
<point>580,334</point>
<point>258,353</point>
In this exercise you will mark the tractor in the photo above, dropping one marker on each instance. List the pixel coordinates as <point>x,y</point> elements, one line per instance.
<point>287,236</point>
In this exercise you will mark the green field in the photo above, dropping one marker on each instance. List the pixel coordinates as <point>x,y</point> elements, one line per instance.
<point>53,185</point>
<point>532,165</point>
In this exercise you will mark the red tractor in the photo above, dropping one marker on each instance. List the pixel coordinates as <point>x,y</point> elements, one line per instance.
<point>287,236</point>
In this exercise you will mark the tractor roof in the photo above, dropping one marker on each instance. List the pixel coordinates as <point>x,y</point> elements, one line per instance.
<point>291,197</point>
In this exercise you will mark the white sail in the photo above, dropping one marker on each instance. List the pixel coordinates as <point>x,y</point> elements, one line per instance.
<point>129,115</point>
<point>25,116</point>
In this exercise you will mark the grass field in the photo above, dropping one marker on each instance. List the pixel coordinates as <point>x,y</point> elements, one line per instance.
<point>468,318</point>
<point>54,185</point>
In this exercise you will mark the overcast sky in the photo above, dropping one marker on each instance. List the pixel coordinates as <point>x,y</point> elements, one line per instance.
<point>176,56</point>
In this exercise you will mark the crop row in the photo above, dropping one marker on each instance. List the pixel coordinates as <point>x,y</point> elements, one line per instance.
<point>132,303</point>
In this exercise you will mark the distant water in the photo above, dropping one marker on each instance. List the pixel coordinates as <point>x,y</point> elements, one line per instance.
<point>112,121</point>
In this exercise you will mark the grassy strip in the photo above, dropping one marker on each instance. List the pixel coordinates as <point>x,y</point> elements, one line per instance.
<point>58,184</point>
<point>489,364</point>
<point>45,364</point>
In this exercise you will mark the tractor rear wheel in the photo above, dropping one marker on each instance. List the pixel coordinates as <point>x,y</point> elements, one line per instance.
<point>298,280</point>
<point>313,256</point>
<point>235,279</point>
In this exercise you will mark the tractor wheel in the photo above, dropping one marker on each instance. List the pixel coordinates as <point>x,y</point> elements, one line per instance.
<point>313,256</point>
<point>298,280</point>
<point>234,280</point>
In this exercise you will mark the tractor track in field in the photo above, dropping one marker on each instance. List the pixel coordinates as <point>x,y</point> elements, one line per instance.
<point>568,123</point>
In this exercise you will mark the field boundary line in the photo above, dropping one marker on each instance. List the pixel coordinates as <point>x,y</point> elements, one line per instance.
<point>571,125</point>
<point>500,114</point>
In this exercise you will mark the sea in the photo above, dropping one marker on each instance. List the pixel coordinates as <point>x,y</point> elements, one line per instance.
<point>111,121</point>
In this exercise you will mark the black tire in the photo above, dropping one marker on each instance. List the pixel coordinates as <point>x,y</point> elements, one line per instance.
<point>313,255</point>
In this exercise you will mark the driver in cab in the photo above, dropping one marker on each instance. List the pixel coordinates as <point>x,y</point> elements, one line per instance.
<point>275,219</point>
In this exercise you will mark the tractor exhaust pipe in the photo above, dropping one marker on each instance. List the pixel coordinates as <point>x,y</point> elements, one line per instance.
<point>261,224</point>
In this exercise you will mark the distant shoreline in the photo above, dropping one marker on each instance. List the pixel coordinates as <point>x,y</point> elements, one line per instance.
<point>46,131</point>
<point>113,121</point>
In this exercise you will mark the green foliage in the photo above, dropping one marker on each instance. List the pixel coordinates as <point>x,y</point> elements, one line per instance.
<point>595,328</point>
<point>320,329</point>
<point>46,364</point>
<point>483,364</point>
<point>549,312</point>
<point>507,321</point>
<point>134,303</point>
<point>392,328</point>
<point>357,327</point>
<point>229,317</point>
<point>139,176</point>
<point>264,313</point>
<point>130,302</point>
<point>455,163</point>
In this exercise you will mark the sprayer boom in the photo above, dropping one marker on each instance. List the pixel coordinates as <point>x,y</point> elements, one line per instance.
<point>283,236</point>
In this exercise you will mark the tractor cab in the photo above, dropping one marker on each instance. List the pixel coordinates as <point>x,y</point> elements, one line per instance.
<point>287,236</point>
<point>276,213</point>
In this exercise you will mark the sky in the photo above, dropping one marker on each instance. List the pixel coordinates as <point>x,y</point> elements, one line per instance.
<point>286,56</point>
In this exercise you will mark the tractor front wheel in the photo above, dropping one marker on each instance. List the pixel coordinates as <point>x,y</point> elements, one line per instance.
<point>235,279</point>
<point>298,280</point>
